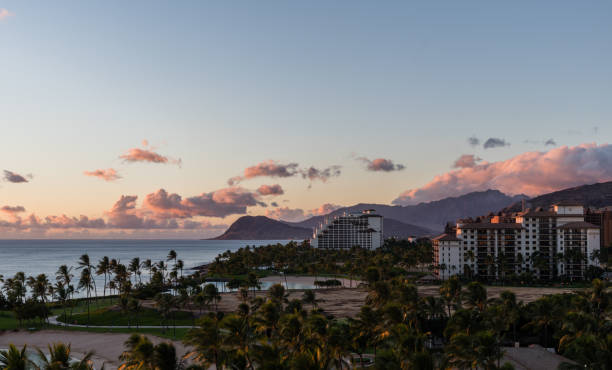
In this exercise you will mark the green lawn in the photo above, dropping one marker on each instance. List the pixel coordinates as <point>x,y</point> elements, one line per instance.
<point>110,317</point>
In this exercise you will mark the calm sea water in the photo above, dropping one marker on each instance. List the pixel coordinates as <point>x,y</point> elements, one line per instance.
<point>45,256</point>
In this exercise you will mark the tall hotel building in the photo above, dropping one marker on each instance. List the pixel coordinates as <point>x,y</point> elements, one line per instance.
<point>350,230</point>
<point>543,242</point>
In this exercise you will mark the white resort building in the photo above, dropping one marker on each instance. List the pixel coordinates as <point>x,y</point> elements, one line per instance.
<point>363,229</point>
<point>549,244</point>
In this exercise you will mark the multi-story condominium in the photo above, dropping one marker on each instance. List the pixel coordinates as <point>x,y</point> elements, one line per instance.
<point>549,244</point>
<point>349,230</point>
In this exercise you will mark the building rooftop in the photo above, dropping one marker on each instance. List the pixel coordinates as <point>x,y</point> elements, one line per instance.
<point>487,225</point>
<point>446,238</point>
<point>578,225</point>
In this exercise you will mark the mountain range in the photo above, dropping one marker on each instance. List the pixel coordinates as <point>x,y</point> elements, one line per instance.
<point>421,219</point>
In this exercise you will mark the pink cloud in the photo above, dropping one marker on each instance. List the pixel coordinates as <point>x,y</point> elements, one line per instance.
<point>147,154</point>
<point>270,190</point>
<point>267,168</point>
<point>4,13</point>
<point>12,209</point>
<point>466,161</point>
<point>530,173</point>
<point>109,174</point>
<point>219,203</point>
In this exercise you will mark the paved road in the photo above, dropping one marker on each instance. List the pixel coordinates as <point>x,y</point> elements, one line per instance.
<point>53,321</point>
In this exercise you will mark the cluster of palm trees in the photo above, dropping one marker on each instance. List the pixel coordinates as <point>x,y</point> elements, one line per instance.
<point>29,296</point>
<point>295,258</point>
<point>57,358</point>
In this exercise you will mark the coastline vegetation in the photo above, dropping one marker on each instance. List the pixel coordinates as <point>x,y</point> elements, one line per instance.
<point>396,328</point>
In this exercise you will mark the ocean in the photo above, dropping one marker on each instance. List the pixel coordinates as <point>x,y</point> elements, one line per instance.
<point>34,257</point>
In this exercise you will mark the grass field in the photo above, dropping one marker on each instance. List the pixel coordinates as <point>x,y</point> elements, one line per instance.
<point>112,317</point>
<point>9,323</point>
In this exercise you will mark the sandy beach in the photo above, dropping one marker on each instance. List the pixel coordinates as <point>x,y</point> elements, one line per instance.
<point>107,346</point>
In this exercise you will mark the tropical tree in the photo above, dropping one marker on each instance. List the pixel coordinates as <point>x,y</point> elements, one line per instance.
<point>13,358</point>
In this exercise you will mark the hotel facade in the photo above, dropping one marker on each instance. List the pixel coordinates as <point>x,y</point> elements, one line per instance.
<point>549,244</point>
<point>349,230</point>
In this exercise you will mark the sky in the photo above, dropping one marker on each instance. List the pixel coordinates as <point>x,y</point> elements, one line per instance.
<point>173,119</point>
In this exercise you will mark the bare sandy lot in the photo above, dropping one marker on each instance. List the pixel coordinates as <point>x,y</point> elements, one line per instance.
<point>342,302</point>
<point>107,346</point>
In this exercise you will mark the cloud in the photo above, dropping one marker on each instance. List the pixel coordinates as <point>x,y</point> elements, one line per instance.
<point>12,209</point>
<point>530,173</point>
<point>15,177</point>
<point>298,214</point>
<point>494,142</point>
<point>548,142</point>
<point>220,203</point>
<point>466,161</point>
<point>381,164</point>
<point>4,13</point>
<point>108,174</point>
<point>124,215</point>
<point>270,190</point>
<point>473,141</point>
<point>267,168</point>
<point>147,154</point>
<point>324,209</point>
<point>280,170</point>
<point>314,173</point>
<point>286,214</point>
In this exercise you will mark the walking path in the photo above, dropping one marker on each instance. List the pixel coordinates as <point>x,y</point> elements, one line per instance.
<point>53,321</point>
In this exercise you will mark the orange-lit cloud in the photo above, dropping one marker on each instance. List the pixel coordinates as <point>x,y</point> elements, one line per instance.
<point>280,170</point>
<point>147,154</point>
<point>12,209</point>
<point>466,161</point>
<point>219,203</point>
<point>270,190</point>
<point>109,174</point>
<point>530,173</point>
<point>267,168</point>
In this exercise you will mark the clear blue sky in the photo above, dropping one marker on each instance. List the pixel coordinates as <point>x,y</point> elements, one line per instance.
<point>225,85</point>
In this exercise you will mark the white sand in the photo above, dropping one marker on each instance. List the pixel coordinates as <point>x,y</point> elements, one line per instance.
<point>107,346</point>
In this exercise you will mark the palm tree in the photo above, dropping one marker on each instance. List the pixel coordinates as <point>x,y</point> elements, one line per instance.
<point>207,342</point>
<point>476,296</point>
<point>147,264</point>
<point>134,268</point>
<point>309,297</point>
<point>62,295</point>
<point>139,353</point>
<point>86,282</point>
<point>85,263</point>
<point>104,268</point>
<point>59,358</point>
<point>543,317</point>
<point>13,358</point>
<point>450,291</point>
